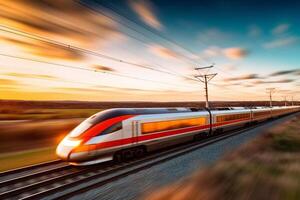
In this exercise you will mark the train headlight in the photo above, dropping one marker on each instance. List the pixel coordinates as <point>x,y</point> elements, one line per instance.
<point>71,143</point>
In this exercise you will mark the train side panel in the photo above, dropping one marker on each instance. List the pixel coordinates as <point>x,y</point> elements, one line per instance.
<point>160,131</point>
<point>230,119</point>
<point>261,114</point>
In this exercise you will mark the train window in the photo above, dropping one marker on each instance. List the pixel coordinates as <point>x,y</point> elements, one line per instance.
<point>223,118</point>
<point>152,127</point>
<point>261,114</point>
<point>113,128</point>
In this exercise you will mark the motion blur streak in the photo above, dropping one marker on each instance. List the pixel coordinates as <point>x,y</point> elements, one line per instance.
<point>62,20</point>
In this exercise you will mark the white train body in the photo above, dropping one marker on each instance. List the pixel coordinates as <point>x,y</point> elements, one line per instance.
<point>107,133</point>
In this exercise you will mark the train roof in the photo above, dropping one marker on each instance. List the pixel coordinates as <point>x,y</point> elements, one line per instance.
<point>115,112</point>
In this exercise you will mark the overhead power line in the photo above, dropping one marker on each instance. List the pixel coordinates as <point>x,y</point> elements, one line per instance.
<point>86,51</point>
<point>153,31</point>
<point>91,70</point>
<point>121,14</point>
<point>118,12</point>
<point>224,87</point>
<point>135,30</point>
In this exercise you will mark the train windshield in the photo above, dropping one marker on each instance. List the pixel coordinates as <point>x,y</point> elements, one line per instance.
<point>106,114</point>
<point>81,128</point>
<point>95,119</point>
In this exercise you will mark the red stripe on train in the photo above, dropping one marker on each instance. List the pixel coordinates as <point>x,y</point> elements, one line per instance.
<point>97,129</point>
<point>151,136</point>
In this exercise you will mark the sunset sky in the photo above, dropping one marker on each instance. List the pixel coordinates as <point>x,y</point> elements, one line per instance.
<point>147,50</point>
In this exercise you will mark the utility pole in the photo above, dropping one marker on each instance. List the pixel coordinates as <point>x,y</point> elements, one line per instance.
<point>270,91</point>
<point>285,103</point>
<point>205,78</point>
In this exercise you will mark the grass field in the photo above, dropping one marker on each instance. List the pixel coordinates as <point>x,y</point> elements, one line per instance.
<point>44,114</point>
<point>24,158</point>
<point>26,135</point>
<point>266,168</point>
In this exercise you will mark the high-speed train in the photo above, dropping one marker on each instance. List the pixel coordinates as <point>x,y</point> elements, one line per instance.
<point>122,133</point>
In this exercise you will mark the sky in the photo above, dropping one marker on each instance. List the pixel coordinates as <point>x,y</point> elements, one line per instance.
<point>142,50</point>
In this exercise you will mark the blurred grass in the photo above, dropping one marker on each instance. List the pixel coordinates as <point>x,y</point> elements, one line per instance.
<point>23,158</point>
<point>42,114</point>
<point>266,168</point>
<point>29,136</point>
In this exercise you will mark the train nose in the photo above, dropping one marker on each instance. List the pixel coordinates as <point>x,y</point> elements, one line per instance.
<point>65,147</point>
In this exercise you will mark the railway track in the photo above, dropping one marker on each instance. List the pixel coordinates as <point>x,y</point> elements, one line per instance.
<point>66,181</point>
<point>29,168</point>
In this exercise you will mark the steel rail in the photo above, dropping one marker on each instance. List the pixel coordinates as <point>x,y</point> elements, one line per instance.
<point>26,177</point>
<point>29,168</point>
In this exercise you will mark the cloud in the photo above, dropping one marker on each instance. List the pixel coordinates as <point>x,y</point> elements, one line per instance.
<point>104,89</point>
<point>277,81</point>
<point>254,31</point>
<point>281,28</point>
<point>244,77</point>
<point>247,85</point>
<point>103,68</point>
<point>229,67</point>
<point>65,21</point>
<point>284,91</point>
<point>238,84</point>
<point>35,76</point>
<point>212,51</point>
<point>145,11</point>
<point>281,42</point>
<point>162,51</point>
<point>235,53</point>
<point>44,49</point>
<point>78,89</point>
<point>284,72</point>
<point>212,35</point>
<point>4,81</point>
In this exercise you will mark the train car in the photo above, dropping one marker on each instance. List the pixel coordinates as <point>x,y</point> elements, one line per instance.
<point>278,111</point>
<point>123,133</point>
<point>261,114</point>
<point>231,119</point>
<point>104,135</point>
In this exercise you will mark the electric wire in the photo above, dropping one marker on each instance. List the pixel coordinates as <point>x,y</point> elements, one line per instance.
<point>126,25</point>
<point>155,32</point>
<point>86,51</point>
<point>86,69</point>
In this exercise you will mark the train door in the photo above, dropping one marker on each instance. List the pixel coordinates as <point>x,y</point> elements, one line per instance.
<point>135,131</point>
